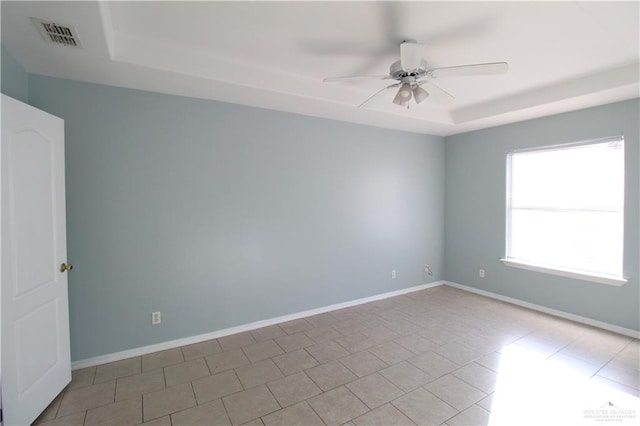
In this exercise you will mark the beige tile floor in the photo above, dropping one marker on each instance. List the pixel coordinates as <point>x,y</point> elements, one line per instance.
<point>438,356</point>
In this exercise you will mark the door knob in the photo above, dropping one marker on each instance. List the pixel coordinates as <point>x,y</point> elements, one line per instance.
<point>66,267</point>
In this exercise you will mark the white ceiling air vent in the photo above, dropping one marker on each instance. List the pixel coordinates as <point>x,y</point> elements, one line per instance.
<point>56,33</point>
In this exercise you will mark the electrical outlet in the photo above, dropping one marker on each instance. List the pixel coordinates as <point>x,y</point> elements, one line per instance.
<point>481,273</point>
<point>427,270</point>
<point>393,274</point>
<point>155,318</point>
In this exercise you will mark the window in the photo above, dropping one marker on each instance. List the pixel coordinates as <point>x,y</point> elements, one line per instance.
<point>565,210</point>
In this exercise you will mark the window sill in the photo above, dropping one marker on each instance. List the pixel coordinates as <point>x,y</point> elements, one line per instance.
<point>602,279</point>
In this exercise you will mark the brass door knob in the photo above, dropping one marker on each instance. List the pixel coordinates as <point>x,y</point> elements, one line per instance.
<point>66,267</point>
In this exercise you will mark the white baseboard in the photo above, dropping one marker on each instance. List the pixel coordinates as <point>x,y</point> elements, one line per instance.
<point>577,318</point>
<point>117,356</point>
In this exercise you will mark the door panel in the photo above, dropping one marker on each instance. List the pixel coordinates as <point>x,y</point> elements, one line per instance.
<point>33,232</point>
<point>36,363</point>
<point>32,365</point>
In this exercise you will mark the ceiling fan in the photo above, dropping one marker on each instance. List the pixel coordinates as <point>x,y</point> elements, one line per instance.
<point>414,77</point>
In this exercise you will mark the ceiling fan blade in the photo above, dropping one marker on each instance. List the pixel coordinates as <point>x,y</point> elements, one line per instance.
<point>411,54</point>
<point>350,77</point>
<point>377,93</point>
<point>440,95</point>
<point>473,69</point>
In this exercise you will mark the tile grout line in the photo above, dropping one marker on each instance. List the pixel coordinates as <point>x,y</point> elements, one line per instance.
<point>306,401</point>
<point>313,381</point>
<point>435,396</point>
<point>63,393</point>
<point>464,381</point>
<point>195,398</point>
<point>281,348</point>
<point>164,377</point>
<point>207,364</point>
<point>358,398</point>
<point>284,376</point>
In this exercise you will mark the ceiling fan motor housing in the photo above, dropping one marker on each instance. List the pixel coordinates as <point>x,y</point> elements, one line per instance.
<point>407,76</point>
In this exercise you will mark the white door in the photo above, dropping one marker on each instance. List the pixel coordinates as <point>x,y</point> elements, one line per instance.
<point>36,362</point>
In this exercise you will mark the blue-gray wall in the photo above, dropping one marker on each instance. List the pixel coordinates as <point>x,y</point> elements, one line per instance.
<point>14,80</point>
<point>475,213</point>
<point>219,215</point>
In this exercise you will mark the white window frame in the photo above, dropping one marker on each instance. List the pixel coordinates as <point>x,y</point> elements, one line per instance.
<point>554,270</point>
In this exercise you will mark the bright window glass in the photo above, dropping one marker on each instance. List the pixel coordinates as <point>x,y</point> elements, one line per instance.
<point>565,207</point>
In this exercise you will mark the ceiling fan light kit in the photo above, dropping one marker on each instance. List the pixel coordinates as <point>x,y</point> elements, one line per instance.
<point>403,96</point>
<point>419,94</point>
<point>414,77</point>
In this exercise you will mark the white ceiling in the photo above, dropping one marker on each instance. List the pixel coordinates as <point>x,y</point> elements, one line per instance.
<point>563,56</point>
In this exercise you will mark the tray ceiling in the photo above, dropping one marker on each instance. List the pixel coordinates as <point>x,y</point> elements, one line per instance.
<point>562,56</point>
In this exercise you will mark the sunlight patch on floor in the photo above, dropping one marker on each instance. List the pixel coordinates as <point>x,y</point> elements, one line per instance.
<point>532,390</point>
